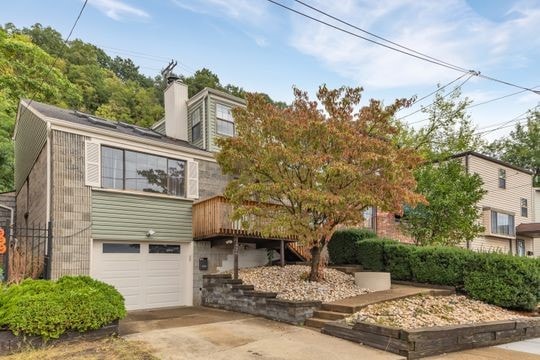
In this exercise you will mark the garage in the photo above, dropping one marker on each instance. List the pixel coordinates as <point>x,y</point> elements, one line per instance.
<point>149,275</point>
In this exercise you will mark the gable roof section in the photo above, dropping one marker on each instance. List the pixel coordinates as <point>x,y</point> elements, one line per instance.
<point>492,159</point>
<point>106,125</point>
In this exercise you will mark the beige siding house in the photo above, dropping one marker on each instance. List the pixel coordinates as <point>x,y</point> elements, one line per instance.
<point>506,208</point>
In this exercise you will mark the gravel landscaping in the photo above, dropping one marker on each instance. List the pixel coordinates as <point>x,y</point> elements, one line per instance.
<point>290,282</point>
<point>426,311</point>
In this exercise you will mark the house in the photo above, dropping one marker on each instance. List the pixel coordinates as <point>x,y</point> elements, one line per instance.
<point>135,207</point>
<point>509,211</point>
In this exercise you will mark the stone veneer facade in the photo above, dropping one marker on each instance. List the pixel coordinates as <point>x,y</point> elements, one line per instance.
<point>71,204</point>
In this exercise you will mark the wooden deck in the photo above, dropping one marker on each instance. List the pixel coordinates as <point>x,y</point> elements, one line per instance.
<point>212,219</point>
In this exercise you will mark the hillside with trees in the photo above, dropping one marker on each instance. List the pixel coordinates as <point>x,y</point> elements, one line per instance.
<point>36,63</point>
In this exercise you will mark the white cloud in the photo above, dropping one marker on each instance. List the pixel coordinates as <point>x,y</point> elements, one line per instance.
<point>117,9</point>
<point>448,30</point>
<point>245,10</point>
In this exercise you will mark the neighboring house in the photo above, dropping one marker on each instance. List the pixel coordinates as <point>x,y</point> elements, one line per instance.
<point>137,208</point>
<point>509,210</point>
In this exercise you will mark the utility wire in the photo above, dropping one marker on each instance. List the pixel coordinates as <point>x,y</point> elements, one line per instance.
<point>445,95</point>
<point>377,36</point>
<point>412,53</point>
<point>57,57</point>
<point>500,98</point>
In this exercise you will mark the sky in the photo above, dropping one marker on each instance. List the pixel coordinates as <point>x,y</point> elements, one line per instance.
<point>262,47</point>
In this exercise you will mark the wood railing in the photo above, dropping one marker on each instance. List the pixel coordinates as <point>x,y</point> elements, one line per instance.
<point>212,217</point>
<point>300,250</point>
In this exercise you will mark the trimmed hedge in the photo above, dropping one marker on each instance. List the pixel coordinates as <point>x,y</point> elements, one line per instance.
<point>49,309</point>
<point>371,253</point>
<point>499,279</point>
<point>507,281</point>
<point>343,246</point>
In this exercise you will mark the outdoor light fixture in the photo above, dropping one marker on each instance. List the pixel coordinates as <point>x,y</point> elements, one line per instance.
<point>150,233</point>
<point>228,242</point>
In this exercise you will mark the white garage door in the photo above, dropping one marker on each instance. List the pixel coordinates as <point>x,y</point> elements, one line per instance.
<point>148,275</point>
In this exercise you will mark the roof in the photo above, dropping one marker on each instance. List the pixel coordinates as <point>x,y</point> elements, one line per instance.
<point>107,125</point>
<point>492,159</point>
<point>528,229</point>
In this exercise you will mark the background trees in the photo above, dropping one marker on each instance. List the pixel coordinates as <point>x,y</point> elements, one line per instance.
<point>323,167</point>
<point>522,146</point>
<point>83,77</point>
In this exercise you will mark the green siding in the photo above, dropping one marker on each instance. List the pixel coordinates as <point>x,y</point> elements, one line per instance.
<point>30,138</point>
<point>160,128</point>
<point>212,122</point>
<point>117,216</point>
<point>198,105</point>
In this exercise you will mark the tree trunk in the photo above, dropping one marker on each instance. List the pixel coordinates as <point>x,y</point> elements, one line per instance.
<point>315,274</point>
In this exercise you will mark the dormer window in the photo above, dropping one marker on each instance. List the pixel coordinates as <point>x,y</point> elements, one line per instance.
<point>224,119</point>
<point>502,179</point>
<point>196,125</point>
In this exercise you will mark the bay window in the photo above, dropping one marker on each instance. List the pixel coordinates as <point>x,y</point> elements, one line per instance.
<point>502,224</point>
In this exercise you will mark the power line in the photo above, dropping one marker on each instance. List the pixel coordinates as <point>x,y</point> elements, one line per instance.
<point>57,57</point>
<point>409,53</point>
<point>377,36</point>
<point>500,98</point>
<point>445,95</point>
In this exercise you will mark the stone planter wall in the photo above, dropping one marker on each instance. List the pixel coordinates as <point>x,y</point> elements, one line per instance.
<point>221,291</point>
<point>418,343</point>
<point>10,343</point>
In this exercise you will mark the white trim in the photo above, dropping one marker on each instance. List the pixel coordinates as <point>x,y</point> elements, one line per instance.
<point>142,149</point>
<point>156,124</point>
<point>226,101</point>
<point>141,193</point>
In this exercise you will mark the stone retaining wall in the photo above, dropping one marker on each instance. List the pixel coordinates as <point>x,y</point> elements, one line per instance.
<point>10,343</point>
<point>418,343</point>
<point>221,291</point>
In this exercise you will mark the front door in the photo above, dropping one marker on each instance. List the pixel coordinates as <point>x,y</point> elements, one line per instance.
<point>520,247</point>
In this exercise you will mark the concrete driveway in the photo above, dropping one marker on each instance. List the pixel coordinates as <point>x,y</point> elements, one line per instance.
<point>203,333</point>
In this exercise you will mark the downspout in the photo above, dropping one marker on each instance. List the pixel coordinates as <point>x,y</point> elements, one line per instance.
<point>48,187</point>
<point>467,172</point>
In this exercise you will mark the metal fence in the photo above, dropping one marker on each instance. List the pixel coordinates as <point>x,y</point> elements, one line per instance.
<point>28,251</point>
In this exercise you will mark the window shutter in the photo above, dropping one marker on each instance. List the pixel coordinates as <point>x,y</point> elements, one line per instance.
<point>193,180</point>
<point>92,160</point>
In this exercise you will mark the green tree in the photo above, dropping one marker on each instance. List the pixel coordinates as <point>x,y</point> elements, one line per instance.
<point>448,131</point>
<point>450,217</point>
<point>323,167</point>
<point>522,146</point>
<point>26,71</point>
<point>201,79</point>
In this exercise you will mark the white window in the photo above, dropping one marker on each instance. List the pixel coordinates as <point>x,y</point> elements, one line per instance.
<point>502,178</point>
<point>502,224</point>
<point>524,207</point>
<point>224,119</point>
<point>196,125</point>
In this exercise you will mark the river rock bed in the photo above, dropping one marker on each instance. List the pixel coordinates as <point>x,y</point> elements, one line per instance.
<point>290,282</point>
<point>427,311</point>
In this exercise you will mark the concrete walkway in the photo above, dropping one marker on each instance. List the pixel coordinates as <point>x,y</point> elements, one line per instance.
<point>203,333</point>
<point>355,303</point>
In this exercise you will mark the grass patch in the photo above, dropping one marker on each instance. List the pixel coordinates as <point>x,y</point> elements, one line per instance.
<point>107,349</point>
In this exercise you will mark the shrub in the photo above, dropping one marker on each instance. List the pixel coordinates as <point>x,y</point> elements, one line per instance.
<point>440,265</point>
<point>370,253</point>
<point>342,248</point>
<point>503,280</point>
<point>397,258</point>
<point>49,309</point>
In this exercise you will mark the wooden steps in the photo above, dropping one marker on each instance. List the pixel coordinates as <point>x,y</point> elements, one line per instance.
<point>327,314</point>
